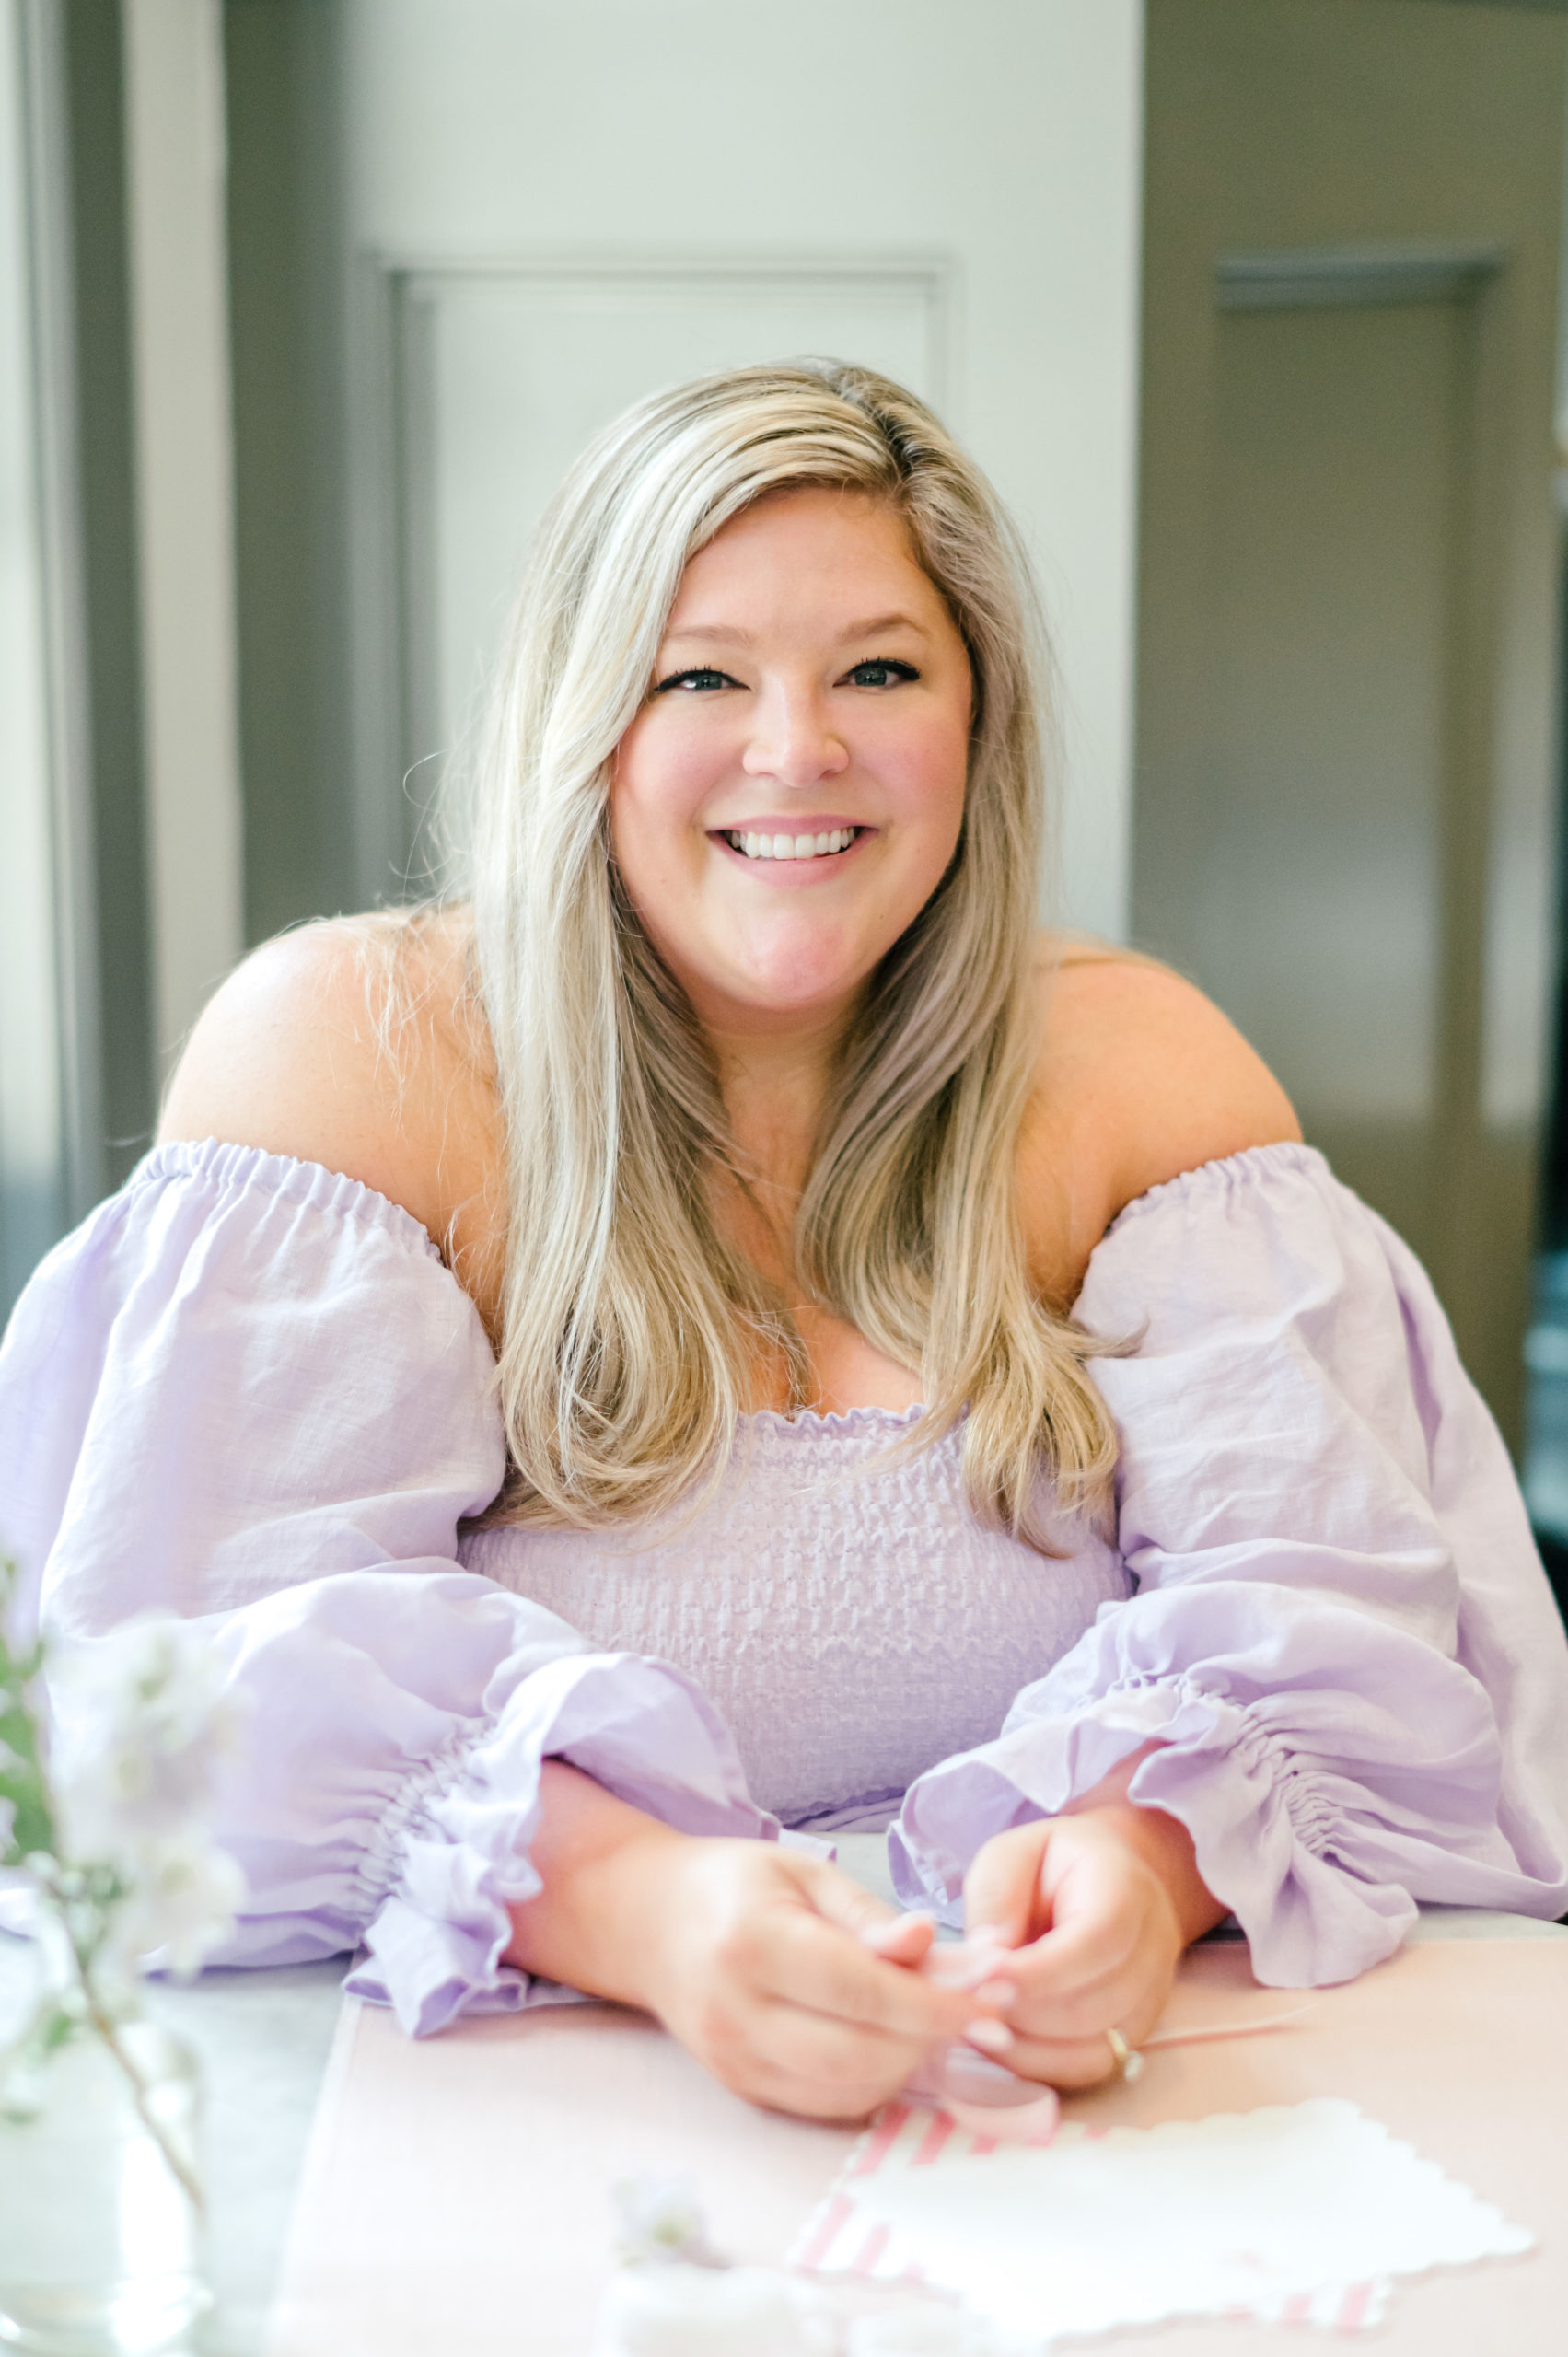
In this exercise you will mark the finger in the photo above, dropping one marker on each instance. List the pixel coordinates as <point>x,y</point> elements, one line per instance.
<point>1099,1923</point>
<point>817,1966</point>
<point>1063,2062</point>
<point>820,2047</point>
<point>1128,1993</point>
<point>840,1900</point>
<point>1131,2001</point>
<point>1079,1960</point>
<point>978,1963</point>
<point>903,1939</point>
<point>907,1940</point>
<point>827,2069</point>
<point>1002,1889</point>
<point>809,1962</point>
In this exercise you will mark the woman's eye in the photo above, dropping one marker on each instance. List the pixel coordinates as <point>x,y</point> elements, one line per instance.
<point>695,681</point>
<point>882,674</point>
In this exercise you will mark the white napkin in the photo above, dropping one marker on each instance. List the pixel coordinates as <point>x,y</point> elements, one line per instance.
<point>1300,2213</point>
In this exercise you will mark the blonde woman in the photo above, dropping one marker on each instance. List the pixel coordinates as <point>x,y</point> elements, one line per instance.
<point>725,1328</point>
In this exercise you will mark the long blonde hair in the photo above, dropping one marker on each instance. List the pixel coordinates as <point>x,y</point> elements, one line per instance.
<point>632,1326</point>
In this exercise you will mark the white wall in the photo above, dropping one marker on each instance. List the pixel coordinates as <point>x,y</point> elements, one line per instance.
<point>997,140</point>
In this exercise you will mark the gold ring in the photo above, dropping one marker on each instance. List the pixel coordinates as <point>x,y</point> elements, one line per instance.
<point>1127,2059</point>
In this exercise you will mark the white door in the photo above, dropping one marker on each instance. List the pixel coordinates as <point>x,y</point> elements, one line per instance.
<point>551,210</point>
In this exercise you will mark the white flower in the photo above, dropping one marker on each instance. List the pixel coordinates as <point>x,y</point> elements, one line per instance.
<point>660,2218</point>
<point>140,1726</point>
<point>184,1898</point>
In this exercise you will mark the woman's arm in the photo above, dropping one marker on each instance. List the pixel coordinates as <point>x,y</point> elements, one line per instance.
<point>1140,1078</point>
<point>1341,1664</point>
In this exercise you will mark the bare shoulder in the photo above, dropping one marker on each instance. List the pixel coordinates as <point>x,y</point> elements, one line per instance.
<point>1140,1078</point>
<point>356,1044</point>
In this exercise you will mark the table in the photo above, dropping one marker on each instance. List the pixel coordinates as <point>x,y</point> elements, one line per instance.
<point>264,2037</point>
<point>458,2197</point>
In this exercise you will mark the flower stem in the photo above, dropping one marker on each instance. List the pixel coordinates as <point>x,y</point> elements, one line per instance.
<point>102,2023</point>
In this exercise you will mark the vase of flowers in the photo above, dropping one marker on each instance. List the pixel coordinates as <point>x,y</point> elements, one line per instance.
<point>102,2208</point>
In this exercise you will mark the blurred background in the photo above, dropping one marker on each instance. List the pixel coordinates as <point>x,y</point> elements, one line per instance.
<point>1252,308</point>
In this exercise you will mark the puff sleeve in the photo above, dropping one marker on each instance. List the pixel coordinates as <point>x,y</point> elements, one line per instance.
<point>1341,1639</point>
<point>248,1391</point>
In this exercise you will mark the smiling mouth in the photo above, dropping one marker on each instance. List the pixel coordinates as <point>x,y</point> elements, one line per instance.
<point>824,846</point>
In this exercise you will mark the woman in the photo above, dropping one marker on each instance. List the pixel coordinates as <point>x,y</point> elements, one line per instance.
<point>931,1378</point>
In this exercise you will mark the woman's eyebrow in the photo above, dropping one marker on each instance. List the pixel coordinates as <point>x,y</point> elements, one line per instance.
<point>879,622</point>
<point>726,634</point>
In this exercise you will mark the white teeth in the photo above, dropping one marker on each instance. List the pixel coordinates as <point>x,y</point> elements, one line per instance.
<point>790,846</point>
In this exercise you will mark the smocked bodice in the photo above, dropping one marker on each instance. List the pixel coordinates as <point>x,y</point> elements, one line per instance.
<point>849,1616</point>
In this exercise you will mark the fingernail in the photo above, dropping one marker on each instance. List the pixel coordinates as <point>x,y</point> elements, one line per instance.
<point>992,2037</point>
<point>1000,1993</point>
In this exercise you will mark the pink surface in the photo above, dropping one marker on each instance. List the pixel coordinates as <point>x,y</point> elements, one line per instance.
<point>456,2196</point>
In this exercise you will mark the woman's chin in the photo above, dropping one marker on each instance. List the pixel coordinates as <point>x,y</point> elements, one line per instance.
<point>775,972</point>
<point>781,992</point>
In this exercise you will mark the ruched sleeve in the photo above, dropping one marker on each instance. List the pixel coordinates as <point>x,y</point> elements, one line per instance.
<point>1341,1639</point>
<point>248,1391</point>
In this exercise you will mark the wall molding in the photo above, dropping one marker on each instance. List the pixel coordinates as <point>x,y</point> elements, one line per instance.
<point>184,459</point>
<point>1319,277</point>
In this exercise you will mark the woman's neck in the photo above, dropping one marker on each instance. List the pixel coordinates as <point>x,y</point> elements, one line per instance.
<point>775,1086</point>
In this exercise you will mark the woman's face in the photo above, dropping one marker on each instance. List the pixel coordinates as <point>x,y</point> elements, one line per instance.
<point>791,794</point>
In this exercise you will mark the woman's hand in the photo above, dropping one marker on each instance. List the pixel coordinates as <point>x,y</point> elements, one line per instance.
<point>1096,1908</point>
<point>792,1984</point>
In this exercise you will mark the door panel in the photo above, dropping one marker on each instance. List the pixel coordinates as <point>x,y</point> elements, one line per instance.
<point>1316,909</point>
<point>1344,787</point>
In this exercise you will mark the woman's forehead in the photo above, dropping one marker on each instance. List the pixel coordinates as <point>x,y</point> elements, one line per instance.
<point>815,547</point>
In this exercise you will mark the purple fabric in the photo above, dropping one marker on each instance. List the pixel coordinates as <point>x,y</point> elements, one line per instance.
<point>249,1390</point>
<point>1342,1637</point>
<point>837,1601</point>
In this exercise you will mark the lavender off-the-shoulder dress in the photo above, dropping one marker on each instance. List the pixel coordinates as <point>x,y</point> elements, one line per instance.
<point>249,1390</point>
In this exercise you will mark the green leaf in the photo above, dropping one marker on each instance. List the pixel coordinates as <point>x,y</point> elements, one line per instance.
<point>32,1824</point>
<point>20,1731</point>
<point>22,1779</point>
<point>18,1672</point>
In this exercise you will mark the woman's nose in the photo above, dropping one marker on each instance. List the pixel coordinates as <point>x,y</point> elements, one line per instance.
<point>794,741</point>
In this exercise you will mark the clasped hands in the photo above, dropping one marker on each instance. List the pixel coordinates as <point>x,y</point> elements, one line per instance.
<point>806,1994</point>
<point>800,1990</point>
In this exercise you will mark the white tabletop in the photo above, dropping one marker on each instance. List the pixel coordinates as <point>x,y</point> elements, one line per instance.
<point>263,2038</point>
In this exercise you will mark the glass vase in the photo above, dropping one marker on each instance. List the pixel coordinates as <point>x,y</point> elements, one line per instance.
<point>101,2210</point>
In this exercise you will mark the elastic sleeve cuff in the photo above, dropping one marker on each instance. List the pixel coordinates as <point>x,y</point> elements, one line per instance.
<point>1274,1839</point>
<point>1032,1771</point>
<point>641,1728</point>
